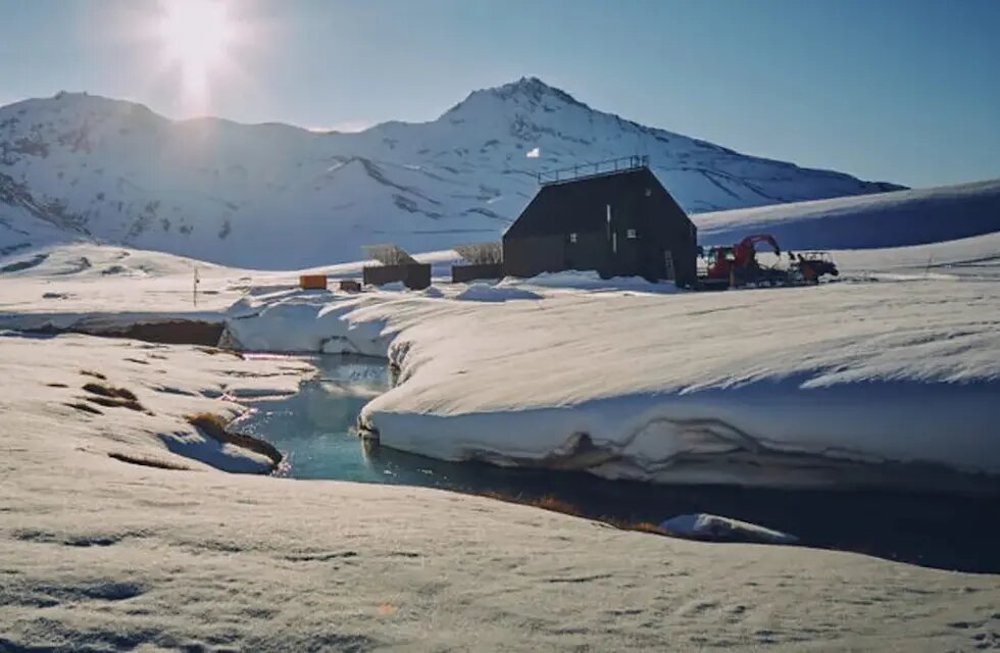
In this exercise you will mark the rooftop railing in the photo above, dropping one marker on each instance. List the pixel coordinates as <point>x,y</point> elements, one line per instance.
<point>585,170</point>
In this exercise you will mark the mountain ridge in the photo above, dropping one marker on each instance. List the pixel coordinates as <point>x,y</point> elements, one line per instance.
<point>277,195</point>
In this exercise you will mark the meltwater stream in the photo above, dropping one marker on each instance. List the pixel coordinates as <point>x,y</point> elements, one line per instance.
<point>314,429</point>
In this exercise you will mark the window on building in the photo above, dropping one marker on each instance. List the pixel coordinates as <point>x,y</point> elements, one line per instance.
<point>572,237</point>
<point>630,234</point>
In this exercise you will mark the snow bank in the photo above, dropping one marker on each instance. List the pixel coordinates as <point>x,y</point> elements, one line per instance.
<point>294,321</point>
<point>908,217</point>
<point>839,384</point>
<point>58,381</point>
<point>588,280</point>
<point>481,292</point>
<point>975,257</point>
<point>847,383</point>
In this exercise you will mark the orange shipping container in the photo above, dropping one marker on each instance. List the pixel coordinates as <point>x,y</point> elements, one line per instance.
<point>313,281</point>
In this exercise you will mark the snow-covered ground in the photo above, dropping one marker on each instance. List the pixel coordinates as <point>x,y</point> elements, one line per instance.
<point>775,387</point>
<point>895,219</point>
<point>97,287</point>
<point>44,388</point>
<point>838,384</point>
<point>99,554</point>
<point>897,362</point>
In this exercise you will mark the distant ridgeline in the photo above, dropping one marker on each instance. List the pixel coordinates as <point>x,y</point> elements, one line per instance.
<point>276,196</point>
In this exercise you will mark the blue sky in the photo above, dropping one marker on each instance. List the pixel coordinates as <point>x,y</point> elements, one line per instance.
<point>898,90</point>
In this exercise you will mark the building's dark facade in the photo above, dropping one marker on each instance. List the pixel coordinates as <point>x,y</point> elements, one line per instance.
<point>619,224</point>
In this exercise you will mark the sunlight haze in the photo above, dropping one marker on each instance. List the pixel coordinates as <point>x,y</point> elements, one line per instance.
<point>913,81</point>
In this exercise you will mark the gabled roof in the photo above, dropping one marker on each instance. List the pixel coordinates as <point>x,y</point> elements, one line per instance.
<point>580,204</point>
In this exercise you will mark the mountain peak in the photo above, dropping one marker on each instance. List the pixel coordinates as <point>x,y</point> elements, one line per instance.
<point>530,92</point>
<point>536,89</point>
<point>81,104</point>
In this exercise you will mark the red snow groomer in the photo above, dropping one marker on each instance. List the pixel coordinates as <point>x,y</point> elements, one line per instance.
<point>736,266</point>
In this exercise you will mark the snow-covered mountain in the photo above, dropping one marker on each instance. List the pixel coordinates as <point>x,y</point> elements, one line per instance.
<point>275,196</point>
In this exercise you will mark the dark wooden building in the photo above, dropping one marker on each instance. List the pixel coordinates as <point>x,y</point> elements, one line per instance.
<point>619,220</point>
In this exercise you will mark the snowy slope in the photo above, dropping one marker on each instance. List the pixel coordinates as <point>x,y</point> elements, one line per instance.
<point>908,217</point>
<point>274,196</point>
<point>24,224</point>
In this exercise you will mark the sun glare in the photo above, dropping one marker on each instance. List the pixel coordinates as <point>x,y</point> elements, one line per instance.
<point>195,36</point>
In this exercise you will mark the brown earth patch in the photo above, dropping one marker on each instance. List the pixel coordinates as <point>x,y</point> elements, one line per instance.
<point>214,426</point>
